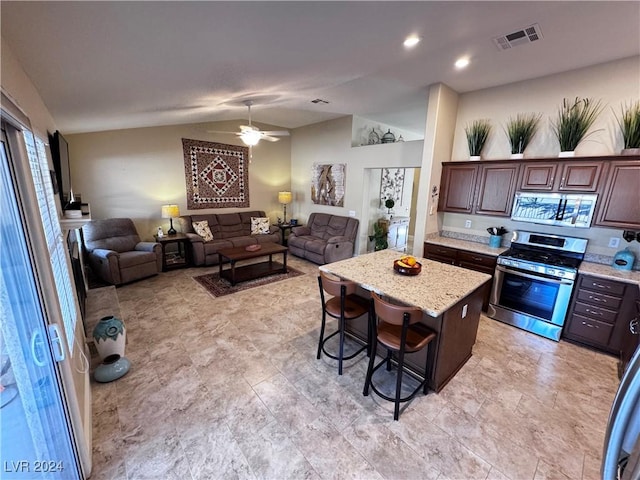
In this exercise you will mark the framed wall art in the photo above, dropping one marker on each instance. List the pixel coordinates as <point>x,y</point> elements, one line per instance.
<point>392,185</point>
<point>327,184</point>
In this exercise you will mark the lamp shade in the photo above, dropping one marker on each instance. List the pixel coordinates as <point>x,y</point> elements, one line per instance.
<point>170,211</point>
<point>285,197</point>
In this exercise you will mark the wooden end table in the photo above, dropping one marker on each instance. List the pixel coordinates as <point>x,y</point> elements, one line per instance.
<point>179,259</point>
<point>253,270</point>
<point>284,227</point>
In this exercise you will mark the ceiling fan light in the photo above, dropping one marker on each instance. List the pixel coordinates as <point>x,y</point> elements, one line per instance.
<point>250,137</point>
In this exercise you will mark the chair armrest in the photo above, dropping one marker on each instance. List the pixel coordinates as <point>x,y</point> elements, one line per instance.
<point>339,239</point>
<point>146,246</point>
<point>106,265</point>
<point>194,238</point>
<point>299,231</point>
<point>102,253</point>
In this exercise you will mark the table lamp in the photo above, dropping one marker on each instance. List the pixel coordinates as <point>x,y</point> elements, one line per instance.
<point>170,212</point>
<point>285,198</point>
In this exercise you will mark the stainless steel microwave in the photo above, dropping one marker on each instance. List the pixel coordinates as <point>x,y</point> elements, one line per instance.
<point>564,210</point>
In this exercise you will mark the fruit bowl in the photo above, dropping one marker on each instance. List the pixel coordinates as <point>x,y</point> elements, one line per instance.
<point>404,269</point>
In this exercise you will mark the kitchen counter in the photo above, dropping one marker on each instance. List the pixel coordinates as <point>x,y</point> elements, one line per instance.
<point>435,289</point>
<point>467,245</point>
<point>449,296</point>
<point>607,271</point>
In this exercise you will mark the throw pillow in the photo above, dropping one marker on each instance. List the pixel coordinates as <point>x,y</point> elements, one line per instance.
<point>202,229</point>
<point>259,225</point>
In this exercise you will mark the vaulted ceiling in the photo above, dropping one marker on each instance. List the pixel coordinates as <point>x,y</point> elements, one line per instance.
<point>111,65</point>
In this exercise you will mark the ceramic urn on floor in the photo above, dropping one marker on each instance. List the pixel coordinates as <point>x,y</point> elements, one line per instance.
<point>110,337</point>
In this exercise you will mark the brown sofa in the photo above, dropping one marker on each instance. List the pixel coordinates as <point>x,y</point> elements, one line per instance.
<point>325,239</point>
<point>116,254</point>
<point>228,230</point>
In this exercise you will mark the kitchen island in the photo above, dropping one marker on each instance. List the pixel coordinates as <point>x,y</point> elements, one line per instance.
<point>450,298</point>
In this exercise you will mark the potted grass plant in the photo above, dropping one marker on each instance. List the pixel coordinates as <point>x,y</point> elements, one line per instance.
<point>629,122</point>
<point>573,122</point>
<point>520,130</point>
<point>477,134</point>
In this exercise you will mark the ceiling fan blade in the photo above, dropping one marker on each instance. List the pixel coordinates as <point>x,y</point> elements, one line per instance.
<point>227,133</point>
<point>245,128</point>
<point>269,139</point>
<point>276,133</point>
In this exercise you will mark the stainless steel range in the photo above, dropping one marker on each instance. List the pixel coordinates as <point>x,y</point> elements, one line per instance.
<point>534,280</point>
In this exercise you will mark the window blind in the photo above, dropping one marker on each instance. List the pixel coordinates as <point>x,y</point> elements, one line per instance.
<point>39,164</point>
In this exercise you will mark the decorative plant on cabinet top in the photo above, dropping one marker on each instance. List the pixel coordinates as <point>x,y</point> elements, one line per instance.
<point>477,134</point>
<point>629,122</point>
<point>574,121</point>
<point>520,131</point>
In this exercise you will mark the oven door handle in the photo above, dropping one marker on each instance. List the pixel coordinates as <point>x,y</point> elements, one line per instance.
<point>533,277</point>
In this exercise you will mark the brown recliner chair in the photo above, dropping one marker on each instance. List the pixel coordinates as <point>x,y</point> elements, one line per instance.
<point>116,254</point>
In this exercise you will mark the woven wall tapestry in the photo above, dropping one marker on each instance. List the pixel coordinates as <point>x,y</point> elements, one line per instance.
<point>327,184</point>
<point>217,175</point>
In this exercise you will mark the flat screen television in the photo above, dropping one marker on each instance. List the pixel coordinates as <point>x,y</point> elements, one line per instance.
<point>60,157</point>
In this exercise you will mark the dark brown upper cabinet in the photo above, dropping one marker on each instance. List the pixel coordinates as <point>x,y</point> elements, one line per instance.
<point>562,176</point>
<point>619,205</point>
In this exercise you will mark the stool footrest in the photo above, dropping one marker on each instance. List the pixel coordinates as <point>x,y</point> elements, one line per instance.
<point>393,399</point>
<point>352,337</point>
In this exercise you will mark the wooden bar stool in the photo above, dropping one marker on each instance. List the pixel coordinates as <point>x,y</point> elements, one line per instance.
<point>396,330</point>
<point>344,305</point>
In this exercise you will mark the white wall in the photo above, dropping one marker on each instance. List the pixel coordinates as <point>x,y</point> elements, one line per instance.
<point>133,172</point>
<point>615,83</point>
<point>18,86</point>
<point>330,142</point>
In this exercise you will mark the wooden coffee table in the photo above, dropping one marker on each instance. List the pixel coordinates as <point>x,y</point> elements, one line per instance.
<point>253,270</point>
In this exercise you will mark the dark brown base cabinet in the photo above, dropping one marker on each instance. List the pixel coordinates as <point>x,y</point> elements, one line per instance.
<point>600,313</point>
<point>465,259</point>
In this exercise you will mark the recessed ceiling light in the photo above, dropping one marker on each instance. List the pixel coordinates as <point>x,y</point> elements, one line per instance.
<point>411,41</point>
<point>462,62</point>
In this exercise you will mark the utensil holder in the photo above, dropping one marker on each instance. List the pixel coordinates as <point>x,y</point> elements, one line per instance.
<point>495,241</point>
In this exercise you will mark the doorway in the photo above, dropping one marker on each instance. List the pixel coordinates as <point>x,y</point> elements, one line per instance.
<point>401,185</point>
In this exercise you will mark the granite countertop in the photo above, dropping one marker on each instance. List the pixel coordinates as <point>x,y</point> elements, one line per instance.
<point>466,245</point>
<point>607,271</point>
<point>436,289</point>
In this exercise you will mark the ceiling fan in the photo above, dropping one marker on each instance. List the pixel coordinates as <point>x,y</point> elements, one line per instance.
<point>251,135</point>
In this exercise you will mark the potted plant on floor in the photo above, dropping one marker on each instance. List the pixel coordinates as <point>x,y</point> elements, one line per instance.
<point>629,122</point>
<point>573,122</point>
<point>380,232</point>
<point>520,131</point>
<point>477,134</point>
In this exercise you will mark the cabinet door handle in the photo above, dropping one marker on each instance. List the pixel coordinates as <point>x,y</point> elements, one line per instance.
<point>633,326</point>
<point>590,325</point>
<point>477,259</point>
<point>599,285</point>
<point>592,312</point>
<point>562,182</point>
<point>596,299</point>
<point>551,183</point>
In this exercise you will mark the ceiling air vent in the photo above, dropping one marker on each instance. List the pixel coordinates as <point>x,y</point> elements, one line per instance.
<point>528,34</point>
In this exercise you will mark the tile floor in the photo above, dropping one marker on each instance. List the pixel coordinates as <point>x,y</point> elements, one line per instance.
<point>230,388</point>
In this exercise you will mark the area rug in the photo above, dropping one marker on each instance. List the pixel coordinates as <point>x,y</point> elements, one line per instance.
<point>219,287</point>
